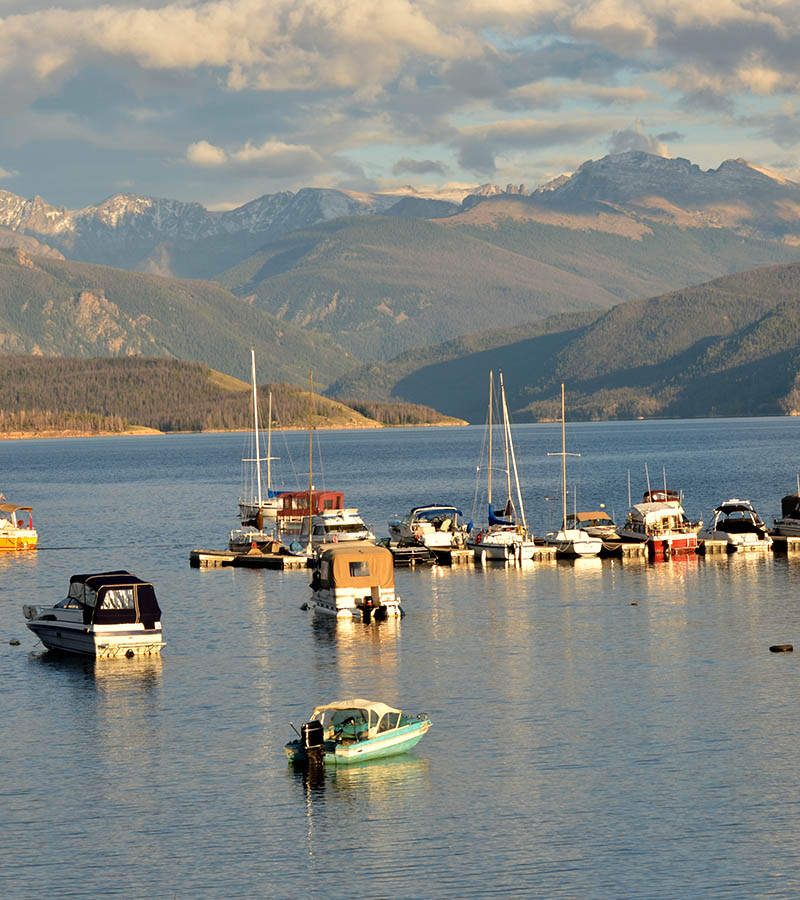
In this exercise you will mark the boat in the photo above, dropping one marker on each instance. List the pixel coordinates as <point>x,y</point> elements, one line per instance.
<point>106,614</point>
<point>504,534</point>
<point>353,731</point>
<point>737,523</point>
<point>438,526</point>
<point>258,503</point>
<point>570,542</point>
<point>333,526</point>
<point>355,581</point>
<point>660,521</point>
<point>409,552</point>
<point>247,538</point>
<point>15,532</point>
<point>789,523</point>
<point>599,524</point>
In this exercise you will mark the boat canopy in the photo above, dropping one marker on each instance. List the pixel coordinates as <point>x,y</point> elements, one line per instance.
<point>357,703</point>
<point>655,512</point>
<point>790,506</point>
<point>592,518</point>
<point>734,506</point>
<point>114,598</point>
<point>348,566</point>
<point>12,508</point>
<point>434,512</point>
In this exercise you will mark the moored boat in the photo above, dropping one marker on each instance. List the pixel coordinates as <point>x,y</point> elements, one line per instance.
<point>737,524</point>
<point>570,541</point>
<point>598,524</point>
<point>660,521</point>
<point>437,526</point>
<point>789,523</point>
<point>504,534</point>
<point>352,731</point>
<point>107,614</point>
<point>15,532</point>
<point>333,526</point>
<point>355,581</point>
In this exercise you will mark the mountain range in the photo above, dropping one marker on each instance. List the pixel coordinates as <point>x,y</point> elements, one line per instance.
<point>729,347</point>
<point>382,273</point>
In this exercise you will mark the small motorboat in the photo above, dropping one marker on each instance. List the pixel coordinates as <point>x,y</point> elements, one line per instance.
<point>789,523</point>
<point>15,532</point>
<point>333,526</point>
<point>107,614</point>
<point>598,524</point>
<point>409,552</point>
<point>438,527</point>
<point>355,580</point>
<point>737,523</point>
<point>352,731</point>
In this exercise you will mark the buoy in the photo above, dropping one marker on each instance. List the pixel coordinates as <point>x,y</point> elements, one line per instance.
<point>14,643</point>
<point>129,653</point>
<point>635,603</point>
<point>781,648</point>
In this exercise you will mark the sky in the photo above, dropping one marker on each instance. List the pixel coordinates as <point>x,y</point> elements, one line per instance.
<point>222,101</point>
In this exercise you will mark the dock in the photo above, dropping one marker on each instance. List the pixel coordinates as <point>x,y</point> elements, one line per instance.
<point>781,543</point>
<point>253,559</point>
<point>711,548</point>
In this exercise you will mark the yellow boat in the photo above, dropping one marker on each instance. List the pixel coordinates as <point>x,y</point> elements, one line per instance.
<point>15,532</point>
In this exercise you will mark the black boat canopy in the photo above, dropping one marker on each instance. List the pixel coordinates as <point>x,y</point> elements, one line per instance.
<point>115,598</point>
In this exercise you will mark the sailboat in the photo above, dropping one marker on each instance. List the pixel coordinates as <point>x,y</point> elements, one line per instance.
<point>505,534</point>
<point>258,503</point>
<point>570,542</point>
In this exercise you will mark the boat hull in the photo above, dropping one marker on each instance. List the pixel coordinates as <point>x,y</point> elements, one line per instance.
<point>18,539</point>
<point>504,545</point>
<point>574,543</point>
<point>390,744</point>
<point>103,644</point>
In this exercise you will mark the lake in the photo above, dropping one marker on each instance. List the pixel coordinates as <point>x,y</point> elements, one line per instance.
<point>602,729</point>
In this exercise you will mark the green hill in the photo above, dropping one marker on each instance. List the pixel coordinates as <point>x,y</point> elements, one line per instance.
<point>40,394</point>
<point>727,347</point>
<point>54,307</point>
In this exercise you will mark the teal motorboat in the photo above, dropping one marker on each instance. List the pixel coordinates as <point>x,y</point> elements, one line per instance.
<point>350,731</point>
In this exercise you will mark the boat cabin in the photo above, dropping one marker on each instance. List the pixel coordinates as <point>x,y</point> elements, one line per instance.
<point>294,504</point>
<point>355,720</point>
<point>355,579</point>
<point>662,496</point>
<point>790,506</point>
<point>113,598</point>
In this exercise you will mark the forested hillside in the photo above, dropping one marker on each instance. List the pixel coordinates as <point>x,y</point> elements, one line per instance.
<point>727,347</point>
<point>46,394</point>
<point>61,308</point>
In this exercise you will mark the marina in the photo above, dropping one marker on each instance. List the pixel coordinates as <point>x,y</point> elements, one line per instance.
<point>611,703</point>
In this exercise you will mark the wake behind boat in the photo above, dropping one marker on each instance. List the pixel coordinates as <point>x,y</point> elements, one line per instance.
<point>353,731</point>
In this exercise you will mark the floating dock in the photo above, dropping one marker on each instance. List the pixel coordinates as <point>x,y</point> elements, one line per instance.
<point>710,548</point>
<point>253,559</point>
<point>783,544</point>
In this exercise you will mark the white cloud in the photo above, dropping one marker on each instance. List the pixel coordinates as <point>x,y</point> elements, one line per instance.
<point>206,155</point>
<point>5,173</point>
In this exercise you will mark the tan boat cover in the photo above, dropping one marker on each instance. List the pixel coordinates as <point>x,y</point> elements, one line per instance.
<point>379,570</point>
<point>12,507</point>
<point>380,708</point>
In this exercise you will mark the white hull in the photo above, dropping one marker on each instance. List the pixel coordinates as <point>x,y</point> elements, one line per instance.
<point>351,603</point>
<point>103,642</point>
<point>749,541</point>
<point>505,548</point>
<point>787,527</point>
<point>574,542</point>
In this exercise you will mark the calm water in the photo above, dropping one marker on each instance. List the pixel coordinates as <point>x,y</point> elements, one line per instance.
<point>584,747</point>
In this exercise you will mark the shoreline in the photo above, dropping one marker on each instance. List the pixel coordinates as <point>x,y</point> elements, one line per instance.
<point>149,432</point>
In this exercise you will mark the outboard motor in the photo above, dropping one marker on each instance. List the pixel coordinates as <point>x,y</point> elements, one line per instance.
<point>366,610</point>
<point>311,738</point>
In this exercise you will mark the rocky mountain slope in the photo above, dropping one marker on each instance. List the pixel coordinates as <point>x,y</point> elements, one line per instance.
<point>728,347</point>
<point>54,307</point>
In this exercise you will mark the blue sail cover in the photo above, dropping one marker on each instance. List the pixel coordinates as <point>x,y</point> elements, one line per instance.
<point>496,520</point>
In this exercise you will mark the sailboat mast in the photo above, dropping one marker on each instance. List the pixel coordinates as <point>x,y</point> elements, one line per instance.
<point>255,423</point>
<point>310,449</point>
<point>563,462</point>
<point>491,398</point>
<point>510,445</point>
<point>506,438</point>
<point>269,445</point>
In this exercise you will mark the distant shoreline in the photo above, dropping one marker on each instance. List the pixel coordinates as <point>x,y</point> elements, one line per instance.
<point>139,431</point>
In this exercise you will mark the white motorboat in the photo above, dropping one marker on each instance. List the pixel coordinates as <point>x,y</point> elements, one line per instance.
<point>355,581</point>
<point>15,532</point>
<point>504,533</point>
<point>108,614</point>
<point>660,522</point>
<point>737,523</point>
<point>335,526</point>
<point>570,542</point>
<point>258,503</point>
<point>437,527</point>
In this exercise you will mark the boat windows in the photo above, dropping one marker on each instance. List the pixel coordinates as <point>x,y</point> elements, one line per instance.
<point>389,722</point>
<point>69,603</point>
<point>119,598</point>
<point>359,568</point>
